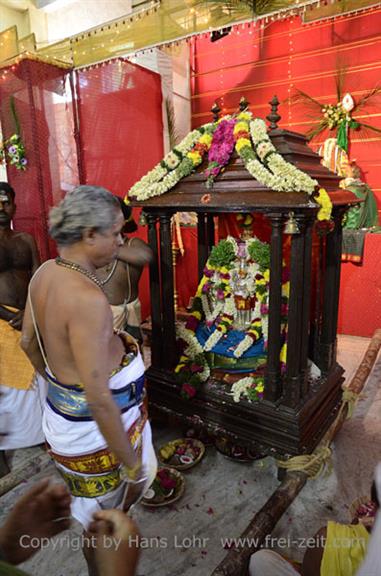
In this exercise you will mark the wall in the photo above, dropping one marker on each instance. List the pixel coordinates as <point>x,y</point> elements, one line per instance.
<point>10,17</point>
<point>259,61</point>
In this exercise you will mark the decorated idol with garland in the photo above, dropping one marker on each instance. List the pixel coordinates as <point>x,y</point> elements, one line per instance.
<point>228,325</point>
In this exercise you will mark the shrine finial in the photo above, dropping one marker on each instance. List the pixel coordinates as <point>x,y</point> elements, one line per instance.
<point>215,109</point>
<point>274,117</point>
<point>243,104</point>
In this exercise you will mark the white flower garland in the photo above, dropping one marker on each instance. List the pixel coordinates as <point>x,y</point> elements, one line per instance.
<point>209,315</point>
<point>216,336</point>
<point>193,344</point>
<point>241,387</point>
<point>159,180</point>
<point>248,341</point>
<point>295,179</point>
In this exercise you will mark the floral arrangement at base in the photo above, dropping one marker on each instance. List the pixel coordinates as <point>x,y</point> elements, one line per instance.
<point>167,487</point>
<point>182,453</point>
<point>251,387</point>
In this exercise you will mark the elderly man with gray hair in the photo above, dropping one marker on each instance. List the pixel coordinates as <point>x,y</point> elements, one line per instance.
<point>94,421</point>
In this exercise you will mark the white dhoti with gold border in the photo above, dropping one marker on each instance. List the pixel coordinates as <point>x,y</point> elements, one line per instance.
<point>79,449</point>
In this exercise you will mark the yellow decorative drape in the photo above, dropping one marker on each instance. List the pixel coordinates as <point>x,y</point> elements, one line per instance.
<point>163,22</point>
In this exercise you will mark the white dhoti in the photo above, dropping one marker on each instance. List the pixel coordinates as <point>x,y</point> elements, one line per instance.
<point>82,457</point>
<point>21,415</point>
<point>21,395</point>
<point>128,317</point>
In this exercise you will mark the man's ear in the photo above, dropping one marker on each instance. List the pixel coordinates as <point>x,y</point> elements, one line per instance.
<point>89,235</point>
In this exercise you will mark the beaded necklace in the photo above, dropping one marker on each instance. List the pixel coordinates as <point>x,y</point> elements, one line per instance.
<point>74,266</point>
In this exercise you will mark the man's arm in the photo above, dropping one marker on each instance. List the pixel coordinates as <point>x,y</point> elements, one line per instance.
<point>16,319</point>
<point>29,342</point>
<point>34,251</point>
<point>5,314</point>
<point>135,252</point>
<point>90,332</point>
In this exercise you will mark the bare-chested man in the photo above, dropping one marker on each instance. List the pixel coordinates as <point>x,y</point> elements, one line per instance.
<point>94,420</point>
<point>20,404</point>
<point>121,278</point>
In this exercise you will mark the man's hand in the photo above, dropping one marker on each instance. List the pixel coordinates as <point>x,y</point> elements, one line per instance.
<point>16,321</point>
<point>119,559</point>
<point>134,494</point>
<point>42,512</point>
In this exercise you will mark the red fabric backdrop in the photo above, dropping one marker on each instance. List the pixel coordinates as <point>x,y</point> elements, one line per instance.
<point>120,119</point>
<point>259,61</point>
<point>43,106</point>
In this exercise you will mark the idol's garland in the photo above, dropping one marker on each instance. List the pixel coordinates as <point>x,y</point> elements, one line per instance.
<point>192,369</point>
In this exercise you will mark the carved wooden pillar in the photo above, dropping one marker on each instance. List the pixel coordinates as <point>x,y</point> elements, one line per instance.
<point>293,383</point>
<point>327,352</point>
<point>167,294</point>
<point>318,249</point>
<point>154,279</point>
<point>306,311</point>
<point>203,246</point>
<point>210,232</point>
<point>273,380</point>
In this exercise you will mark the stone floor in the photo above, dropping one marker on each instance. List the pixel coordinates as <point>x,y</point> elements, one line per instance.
<point>221,496</point>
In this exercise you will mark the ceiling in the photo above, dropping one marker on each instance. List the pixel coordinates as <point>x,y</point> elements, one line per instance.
<point>21,5</point>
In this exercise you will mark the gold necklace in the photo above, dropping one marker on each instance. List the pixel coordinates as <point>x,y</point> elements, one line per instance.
<point>113,268</point>
<point>78,268</point>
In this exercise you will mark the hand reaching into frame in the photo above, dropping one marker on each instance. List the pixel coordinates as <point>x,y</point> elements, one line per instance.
<point>42,512</point>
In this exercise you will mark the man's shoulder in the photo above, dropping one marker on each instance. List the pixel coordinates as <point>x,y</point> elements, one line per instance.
<point>24,236</point>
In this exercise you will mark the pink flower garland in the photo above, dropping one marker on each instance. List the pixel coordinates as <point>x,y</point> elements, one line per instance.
<point>220,150</point>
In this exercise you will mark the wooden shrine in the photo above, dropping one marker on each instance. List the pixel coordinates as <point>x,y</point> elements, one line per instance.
<point>297,409</point>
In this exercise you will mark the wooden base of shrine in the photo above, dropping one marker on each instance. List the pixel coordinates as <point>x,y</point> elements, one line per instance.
<point>267,428</point>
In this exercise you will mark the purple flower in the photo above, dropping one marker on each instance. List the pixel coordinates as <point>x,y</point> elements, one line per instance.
<point>24,161</point>
<point>12,150</point>
<point>192,323</point>
<point>220,294</point>
<point>241,251</point>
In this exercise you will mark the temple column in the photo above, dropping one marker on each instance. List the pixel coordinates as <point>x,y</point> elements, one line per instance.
<point>210,232</point>
<point>332,269</point>
<point>203,242</point>
<point>169,356</point>
<point>273,387</point>
<point>306,310</point>
<point>292,382</point>
<point>154,280</point>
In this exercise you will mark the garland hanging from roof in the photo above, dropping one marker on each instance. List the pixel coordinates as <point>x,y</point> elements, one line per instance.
<point>247,135</point>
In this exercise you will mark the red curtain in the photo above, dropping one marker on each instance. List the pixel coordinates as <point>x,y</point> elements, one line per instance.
<point>258,61</point>
<point>42,100</point>
<point>121,130</point>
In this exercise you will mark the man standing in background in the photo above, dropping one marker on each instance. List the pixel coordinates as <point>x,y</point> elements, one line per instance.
<point>121,277</point>
<point>20,402</point>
